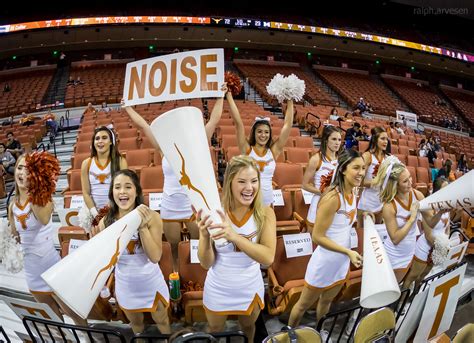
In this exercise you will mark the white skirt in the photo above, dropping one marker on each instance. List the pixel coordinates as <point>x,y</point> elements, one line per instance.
<point>370,201</point>
<point>233,290</point>
<point>139,284</point>
<point>36,263</point>
<point>326,268</point>
<point>267,192</point>
<point>313,208</point>
<point>176,207</point>
<point>400,255</point>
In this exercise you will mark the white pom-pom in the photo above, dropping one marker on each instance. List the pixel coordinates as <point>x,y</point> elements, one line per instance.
<point>440,249</point>
<point>10,250</point>
<point>286,88</point>
<point>85,218</point>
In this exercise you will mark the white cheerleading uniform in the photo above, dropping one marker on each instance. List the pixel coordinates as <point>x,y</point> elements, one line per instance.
<point>266,164</point>
<point>234,283</point>
<point>423,248</point>
<point>328,268</point>
<point>324,170</point>
<point>99,179</point>
<point>139,283</point>
<point>401,255</point>
<point>370,200</point>
<point>38,246</point>
<point>175,205</point>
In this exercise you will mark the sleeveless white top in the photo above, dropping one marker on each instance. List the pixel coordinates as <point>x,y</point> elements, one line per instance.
<point>325,168</point>
<point>171,183</point>
<point>99,179</point>
<point>267,165</point>
<point>401,255</point>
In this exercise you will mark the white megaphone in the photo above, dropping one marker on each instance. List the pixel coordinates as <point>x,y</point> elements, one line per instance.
<point>182,138</point>
<point>458,194</point>
<point>79,277</point>
<point>379,285</point>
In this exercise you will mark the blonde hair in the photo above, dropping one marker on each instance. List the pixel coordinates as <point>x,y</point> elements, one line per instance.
<point>390,190</point>
<point>236,164</point>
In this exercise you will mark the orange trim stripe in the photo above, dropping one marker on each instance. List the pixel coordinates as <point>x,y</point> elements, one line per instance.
<point>41,293</point>
<point>158,298</point>
<point>258,154</point>
<point>242,221</point>
<point>419,260</point>
<point>186,220</point>
<point>255,302</point>
<point>410,200</point>
<point>100,166</point>
<point>20,206</point>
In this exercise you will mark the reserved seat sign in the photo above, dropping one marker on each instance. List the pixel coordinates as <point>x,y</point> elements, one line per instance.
<point>184,75</point>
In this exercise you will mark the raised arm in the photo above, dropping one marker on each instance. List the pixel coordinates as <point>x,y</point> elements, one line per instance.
<point>12,222</point>
<point>278,146</point>
<point>150,231</point>
<point>143,125</point>
<point>239,125</point>
<point>389,216</point>
<point>205,250</point>
<point>215,114</point>
<point>308,177</point>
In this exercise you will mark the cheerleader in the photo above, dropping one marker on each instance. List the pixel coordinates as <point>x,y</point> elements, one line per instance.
<point>376,153</point>
<point>97,170</point>
<point>260,145</point>
<point>139,283</point>
<point>176,208</point>
<point>400,213</point>
<point>329,265</point>
<point>422,263</point>
<point>234,283</point>
<point>32,225</point>
<point>321,166</point>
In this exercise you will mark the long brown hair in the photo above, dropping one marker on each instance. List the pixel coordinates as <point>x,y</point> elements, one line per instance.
<point>114,153</point>
<point>375,134</point>
<point>236,164</point>
<point>253,140</point>
<point>344,159</point>
<point>327,132</point>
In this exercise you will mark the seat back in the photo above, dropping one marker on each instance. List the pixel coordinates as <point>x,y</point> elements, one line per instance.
<point>166,261</point>
<point>298,155</point>
<point>189,271</point>
<point>288,174</point>
<point>151,178</point>
<point>374,324</point>
<point>139,157</point>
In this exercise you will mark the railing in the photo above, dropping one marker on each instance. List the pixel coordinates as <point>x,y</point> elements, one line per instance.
<point>3,336</point>
<point>313,125</point>
<point>43,330</point>
<point>232,336</point>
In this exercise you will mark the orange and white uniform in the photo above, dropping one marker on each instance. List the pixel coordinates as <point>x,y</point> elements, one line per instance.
<point>370,199</point>
<point>401,254</point>
<point>234,283</point>
<point>325,168</point>
<point>266,164</point>
<point>139,283</point>
<point>175,205</point>
<point>37,245</point>
<point>423,248</point>
<point>328,268</point>
<point>99,179</point>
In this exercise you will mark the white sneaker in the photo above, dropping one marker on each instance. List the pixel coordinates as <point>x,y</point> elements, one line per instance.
<point>325,336</point>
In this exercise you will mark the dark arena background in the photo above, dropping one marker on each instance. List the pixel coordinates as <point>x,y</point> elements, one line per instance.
<point>406,66</point>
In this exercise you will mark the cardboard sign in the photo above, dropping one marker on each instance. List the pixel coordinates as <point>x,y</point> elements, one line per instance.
<point>184,75</point>
<point>68,216</point>
<point>77,201</point>
<point>155,201</point>
<point>440,306</point>
<point>38,310</point>
<point>354,238</point>
<point>74,244</point>
<point>299,244</point>
<point>307,196</point>
<point>278,198</point>
<point>193,246</point>
<point>455,255</point>
<point>407,118</point>
<point>412,318</point>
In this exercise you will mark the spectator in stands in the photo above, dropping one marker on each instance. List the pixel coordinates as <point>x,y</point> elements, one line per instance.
<point>361,105</point>
<point>334,115</point>
<point>260,144</point>
<point>97,170</point>
<point>90,110</point>
<point>398,129</point>
<point>50,121</point>
<point>26,120</point>
<point>7,88</point>
<point>462,163</point>
<point>234,283</point>
<point>70,82</point>
<point>78,81</point>
<point>104,108</point>
<point>423,148</point>
<point>348,117</point>
<point>9,121</point>
<point>13,146</point>
<point>368,107</point>
<point>446,171</point>
<point>353,136</point>
<point>139,283</point>
<point>8,161</point>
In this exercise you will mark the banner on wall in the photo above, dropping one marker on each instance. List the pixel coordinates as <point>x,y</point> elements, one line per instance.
<point>408,119</point>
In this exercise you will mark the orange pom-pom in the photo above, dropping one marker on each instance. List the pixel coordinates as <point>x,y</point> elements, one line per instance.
<point>326,181</point>
<point>233,83</point>
<point>102,213</point>
<point>43,171</point>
